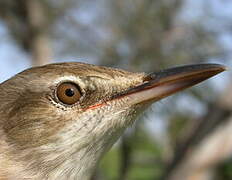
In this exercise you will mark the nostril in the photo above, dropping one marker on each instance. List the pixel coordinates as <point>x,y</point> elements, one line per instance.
<point>149,77</point>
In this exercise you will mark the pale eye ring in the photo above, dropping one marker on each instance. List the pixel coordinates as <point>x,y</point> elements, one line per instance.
<point>68,93</point>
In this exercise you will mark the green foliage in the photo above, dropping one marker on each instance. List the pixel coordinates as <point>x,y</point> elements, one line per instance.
<point>146,160</point>
<point>224,171</point>
<point>177,125</point>
<point>110,164</point>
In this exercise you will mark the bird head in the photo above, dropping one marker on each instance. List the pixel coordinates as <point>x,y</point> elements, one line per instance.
<point>58,120</point>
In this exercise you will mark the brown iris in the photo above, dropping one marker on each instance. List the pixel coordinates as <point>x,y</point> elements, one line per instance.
<point>68,93</point>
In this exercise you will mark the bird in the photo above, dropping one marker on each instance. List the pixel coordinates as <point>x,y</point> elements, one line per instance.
<point>58,120</point>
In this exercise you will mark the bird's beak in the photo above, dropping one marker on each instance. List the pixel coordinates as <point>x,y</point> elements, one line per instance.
<point>164,83</point>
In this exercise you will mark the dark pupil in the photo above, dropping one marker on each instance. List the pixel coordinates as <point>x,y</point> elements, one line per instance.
<point>69,92</point>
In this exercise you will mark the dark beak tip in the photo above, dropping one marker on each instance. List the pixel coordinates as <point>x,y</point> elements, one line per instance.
<point>224,68</point>
<point>218,69</point>
<point>212,69</point>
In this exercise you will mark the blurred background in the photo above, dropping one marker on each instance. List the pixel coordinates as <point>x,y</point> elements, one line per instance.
<point>186,136</point>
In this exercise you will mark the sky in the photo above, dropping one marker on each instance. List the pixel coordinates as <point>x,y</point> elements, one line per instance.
<point>13,60</point>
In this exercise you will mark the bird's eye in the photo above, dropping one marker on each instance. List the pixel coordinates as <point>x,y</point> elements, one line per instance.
<point>68,93</point>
